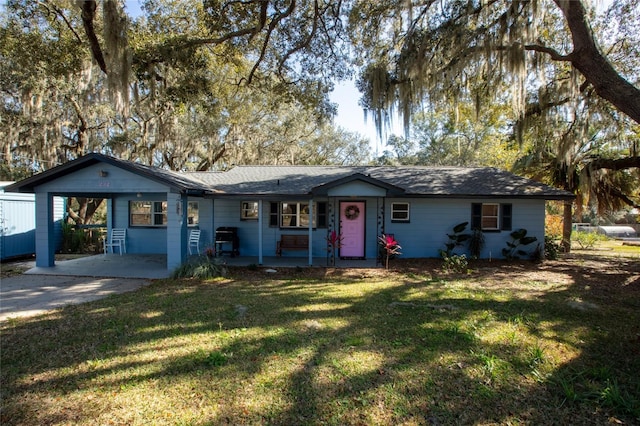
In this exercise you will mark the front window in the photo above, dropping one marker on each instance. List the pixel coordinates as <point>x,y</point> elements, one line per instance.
<point>490,214</point>
<point>193,213</point>
<point>400,212</point>
<point>148,213</point>
<point>154,213</point>
<point>295,215</point>
<point>249,210</point>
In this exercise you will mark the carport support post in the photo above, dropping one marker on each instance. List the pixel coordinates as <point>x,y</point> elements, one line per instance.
<point>260,260</point>
<point>45,238</point>
<point>311,219</point>
<point>176,230</point>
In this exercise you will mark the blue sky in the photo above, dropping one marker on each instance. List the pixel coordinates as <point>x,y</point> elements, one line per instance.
<point>351,116</point>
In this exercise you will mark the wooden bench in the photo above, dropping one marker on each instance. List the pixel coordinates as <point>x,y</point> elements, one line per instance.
<point>292,242</point>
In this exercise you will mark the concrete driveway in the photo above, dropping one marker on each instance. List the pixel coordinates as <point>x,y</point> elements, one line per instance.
<point>27,294</point>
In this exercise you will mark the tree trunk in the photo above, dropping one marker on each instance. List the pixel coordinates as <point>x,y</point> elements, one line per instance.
<point>88,14</point>
<point>86,209</point>
<point>594,66</point>
<point>567,219</point>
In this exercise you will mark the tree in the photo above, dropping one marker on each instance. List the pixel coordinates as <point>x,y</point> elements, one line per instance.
<point>53,105</point>
<point>187,65</point>
<point>299,42</point>
<point>439,52</point>
<point>186,111</point>
<point>437,49</point>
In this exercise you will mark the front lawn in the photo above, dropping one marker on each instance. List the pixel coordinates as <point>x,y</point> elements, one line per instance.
<point>557,343</point>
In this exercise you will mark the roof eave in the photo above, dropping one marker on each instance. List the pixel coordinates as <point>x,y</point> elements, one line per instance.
<point>324,188</point>
<point>29,184</point>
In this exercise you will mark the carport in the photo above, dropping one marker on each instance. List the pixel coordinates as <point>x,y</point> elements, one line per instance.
<point>120,183</point>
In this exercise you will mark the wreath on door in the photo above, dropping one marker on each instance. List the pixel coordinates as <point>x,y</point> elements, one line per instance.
<point>351,212</point>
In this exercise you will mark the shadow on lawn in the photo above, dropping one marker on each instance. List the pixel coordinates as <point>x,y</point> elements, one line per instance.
<point>403,353</point>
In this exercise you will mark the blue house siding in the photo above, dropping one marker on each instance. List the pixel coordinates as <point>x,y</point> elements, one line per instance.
<point>89,180</point>
<point>206,225</point>
<point>432,219</point>
<point>140,240</point>
<point>227,214</point>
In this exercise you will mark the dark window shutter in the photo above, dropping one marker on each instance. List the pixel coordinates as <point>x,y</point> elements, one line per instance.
<point>321,220</point>
<point>476,216</point>
<point>505,217</point>
<point>273,215</point>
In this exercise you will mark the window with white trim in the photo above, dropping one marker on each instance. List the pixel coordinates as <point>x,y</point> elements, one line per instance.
<point>154,213</point>
<point>193,213</point>
<point>290,214</point>
<point>400,212</point>
<point>295,215</point>
<point>148,213</point>
<point>491,216</point>
<point>249,210</point>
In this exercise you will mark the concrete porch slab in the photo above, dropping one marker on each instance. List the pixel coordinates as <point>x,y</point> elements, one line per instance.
<point>153,266</point>
<point>148,266</point>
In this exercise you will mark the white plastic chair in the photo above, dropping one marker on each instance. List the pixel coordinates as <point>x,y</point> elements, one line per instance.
<point>194,241</point>
<point>118,238</point>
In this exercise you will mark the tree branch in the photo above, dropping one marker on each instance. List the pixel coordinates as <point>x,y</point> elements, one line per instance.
<point>614,164</point>
<point>554,54</point>
<point>307,40</point>
<point>594,66</point>
<point>66,21</point>
<point>88,14</point>
<point>272,26</point>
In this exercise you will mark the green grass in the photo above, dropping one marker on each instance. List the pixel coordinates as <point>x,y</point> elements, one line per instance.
<point>500,345</point>
<point>610,247</point>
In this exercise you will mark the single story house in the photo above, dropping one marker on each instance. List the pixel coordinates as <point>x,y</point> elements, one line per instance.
<point>261,204</point>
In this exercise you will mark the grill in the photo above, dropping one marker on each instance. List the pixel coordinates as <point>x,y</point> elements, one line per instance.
<point>227,236</point>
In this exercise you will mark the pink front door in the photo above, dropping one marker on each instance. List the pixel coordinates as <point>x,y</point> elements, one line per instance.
<point>352,228</point>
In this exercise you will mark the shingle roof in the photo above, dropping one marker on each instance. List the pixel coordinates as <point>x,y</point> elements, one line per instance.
<point>408,181</point>
<point>413,180</point>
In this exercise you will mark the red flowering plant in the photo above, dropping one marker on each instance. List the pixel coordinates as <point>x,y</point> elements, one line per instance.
<point>210,251</point>
<point>389,247</point>
<point>334,242</point>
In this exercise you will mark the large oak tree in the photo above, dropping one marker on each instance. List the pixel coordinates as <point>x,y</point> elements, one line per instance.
<point>541,56</point>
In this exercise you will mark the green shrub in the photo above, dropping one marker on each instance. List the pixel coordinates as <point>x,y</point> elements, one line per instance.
<point>587,240</point>
<point>456,239</point>
<point>455,263</point>
<point>74,240</point>
<point>514,247</point>
<point>201,267</point>
<point>552,248</point>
